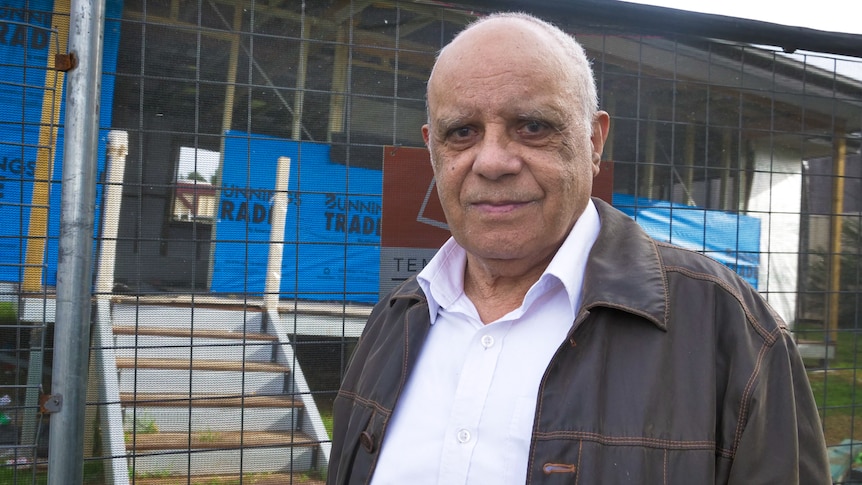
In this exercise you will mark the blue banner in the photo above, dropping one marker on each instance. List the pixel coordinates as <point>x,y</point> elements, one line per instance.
<point>332,229</point>
<point>732,239</point>
<point>27,48</point>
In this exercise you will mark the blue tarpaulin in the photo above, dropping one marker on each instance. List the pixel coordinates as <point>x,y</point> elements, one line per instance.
<point>27,49</point>
<point>332,230</point>
<point>732,239</point>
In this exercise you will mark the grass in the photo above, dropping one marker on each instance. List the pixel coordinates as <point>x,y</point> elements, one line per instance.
<point>839,403</point>
<point>208,436</point>
<point>145,424</point>
<point>326,416</point>
<point>26,475</point>
<point>8,315</point>
<point>837,386</point>
<point>155,474</point>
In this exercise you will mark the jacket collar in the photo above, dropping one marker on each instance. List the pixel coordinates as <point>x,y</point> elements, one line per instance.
<point>624,271</point>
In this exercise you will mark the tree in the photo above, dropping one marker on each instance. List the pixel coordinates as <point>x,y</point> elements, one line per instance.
<point>194,175</point>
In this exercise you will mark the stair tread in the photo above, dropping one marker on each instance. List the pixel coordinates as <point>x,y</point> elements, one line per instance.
<point>207,400</point>
<point>186,332</point>
<point>256,479</point>
<point>184,301</point>
<point>198,364</point>
<point>216,440</point>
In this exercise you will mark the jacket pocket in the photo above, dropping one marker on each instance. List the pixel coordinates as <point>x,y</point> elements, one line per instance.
<point>589,462</point>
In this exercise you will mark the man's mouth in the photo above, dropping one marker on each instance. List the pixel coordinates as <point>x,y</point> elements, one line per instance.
<point>499,207</point>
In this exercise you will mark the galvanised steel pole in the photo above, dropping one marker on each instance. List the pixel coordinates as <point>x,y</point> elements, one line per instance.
<point>67,401</point>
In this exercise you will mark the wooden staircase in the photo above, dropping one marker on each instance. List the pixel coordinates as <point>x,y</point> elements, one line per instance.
<point>211,393</point>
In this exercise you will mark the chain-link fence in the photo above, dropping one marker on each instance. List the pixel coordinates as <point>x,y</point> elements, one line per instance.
<point>246,155</point>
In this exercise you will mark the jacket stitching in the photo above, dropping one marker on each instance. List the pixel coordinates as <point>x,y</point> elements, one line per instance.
<point>746,399</point>
<point>578,469</point>
<point>769,338</point>
<point>767,335</point>
<point>664,283</point>
<point>634,311</point>
<point>365,402</point>
<point>406,350</point>
<point>403,293</point>
<point>664,468</point>
<point>626,440</point>
<point>536,420</point>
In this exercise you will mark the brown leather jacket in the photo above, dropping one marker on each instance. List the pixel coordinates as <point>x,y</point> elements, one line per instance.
<point>678,373</point>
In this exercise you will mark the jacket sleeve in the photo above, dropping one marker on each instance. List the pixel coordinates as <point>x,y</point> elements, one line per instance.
<point>781,441</point>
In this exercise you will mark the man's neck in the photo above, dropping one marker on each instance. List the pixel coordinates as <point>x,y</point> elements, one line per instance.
<point>496,288</point>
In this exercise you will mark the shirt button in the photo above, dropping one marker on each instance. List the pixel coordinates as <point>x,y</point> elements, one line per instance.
<point>463,436</point>
<point>487,341</point>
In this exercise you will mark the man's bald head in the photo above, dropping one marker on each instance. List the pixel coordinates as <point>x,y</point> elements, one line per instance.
<point>545,43</point>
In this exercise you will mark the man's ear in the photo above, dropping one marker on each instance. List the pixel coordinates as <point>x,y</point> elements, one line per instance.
<point>426,132</point>
<point>426,136</point>
<point>598,137</point>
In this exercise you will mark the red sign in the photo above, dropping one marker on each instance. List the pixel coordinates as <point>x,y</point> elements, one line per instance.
<point>412,216</point>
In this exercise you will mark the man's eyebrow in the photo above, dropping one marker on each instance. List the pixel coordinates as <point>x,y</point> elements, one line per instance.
<point>531,113</point>
<point>448,122</point>
<point>549,114</point>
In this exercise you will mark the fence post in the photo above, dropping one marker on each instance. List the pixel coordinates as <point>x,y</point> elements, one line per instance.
<point>104,386</point>
<point>74,264</point>
<point>276,235</point>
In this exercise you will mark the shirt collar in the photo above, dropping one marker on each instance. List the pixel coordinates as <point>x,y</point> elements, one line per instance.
<point>570,262</point>
<point>442,279</point>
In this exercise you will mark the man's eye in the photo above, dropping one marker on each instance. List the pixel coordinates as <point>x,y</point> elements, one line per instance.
<point>534,127</point>
<point>462,132</point>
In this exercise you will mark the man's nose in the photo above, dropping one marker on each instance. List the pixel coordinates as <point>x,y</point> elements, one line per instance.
<point>496,156</point>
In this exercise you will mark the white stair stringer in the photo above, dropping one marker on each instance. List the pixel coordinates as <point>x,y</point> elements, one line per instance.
<point>313,426</point>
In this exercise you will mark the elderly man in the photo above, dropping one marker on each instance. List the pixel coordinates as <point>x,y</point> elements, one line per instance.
<point>551,340</point>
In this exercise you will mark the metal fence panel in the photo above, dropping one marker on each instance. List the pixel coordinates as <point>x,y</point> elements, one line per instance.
<point>205,368</point>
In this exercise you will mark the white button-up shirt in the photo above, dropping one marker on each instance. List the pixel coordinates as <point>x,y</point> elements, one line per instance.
<point>466,413</point>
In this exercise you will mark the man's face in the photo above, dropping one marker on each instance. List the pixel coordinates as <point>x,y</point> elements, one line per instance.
<point>512,158</point>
